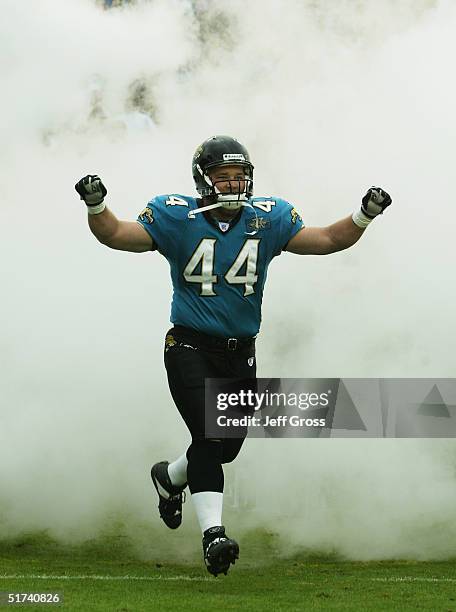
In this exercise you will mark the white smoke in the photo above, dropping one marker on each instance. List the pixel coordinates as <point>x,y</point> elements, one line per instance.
<point>329,100</point>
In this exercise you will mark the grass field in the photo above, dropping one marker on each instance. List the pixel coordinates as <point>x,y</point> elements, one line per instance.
<point>106,575</point>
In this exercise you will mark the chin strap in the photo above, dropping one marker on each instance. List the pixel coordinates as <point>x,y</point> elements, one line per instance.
<point>256,219</point>
<point>192,213</point>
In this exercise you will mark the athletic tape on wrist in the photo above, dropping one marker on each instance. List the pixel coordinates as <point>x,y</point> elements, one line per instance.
<point>96,210</point>
<point>360,219</point>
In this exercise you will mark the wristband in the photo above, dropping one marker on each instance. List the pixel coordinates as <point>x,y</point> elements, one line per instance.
<point>97,209</point>
<point>360,219</point>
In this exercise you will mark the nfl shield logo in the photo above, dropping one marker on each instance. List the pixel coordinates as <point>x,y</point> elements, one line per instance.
<point>250,361</point>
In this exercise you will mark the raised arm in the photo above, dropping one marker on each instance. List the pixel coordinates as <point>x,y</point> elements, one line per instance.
<point>105,226</point>
<point>325,240</point>
<point>342,234</point>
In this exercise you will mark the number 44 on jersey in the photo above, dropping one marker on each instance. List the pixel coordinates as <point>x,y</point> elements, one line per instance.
<point>203,258</point>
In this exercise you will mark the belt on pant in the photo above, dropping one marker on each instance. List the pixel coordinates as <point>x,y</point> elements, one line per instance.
<point>227,344</point>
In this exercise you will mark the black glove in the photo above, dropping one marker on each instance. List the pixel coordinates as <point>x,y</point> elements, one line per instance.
<point>91,190</point>
<point>375,201</point>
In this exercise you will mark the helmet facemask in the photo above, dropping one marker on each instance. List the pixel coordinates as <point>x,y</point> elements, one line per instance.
<point>230,193</point>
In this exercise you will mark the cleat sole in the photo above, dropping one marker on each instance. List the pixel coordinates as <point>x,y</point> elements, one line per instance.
<point>172,517</point>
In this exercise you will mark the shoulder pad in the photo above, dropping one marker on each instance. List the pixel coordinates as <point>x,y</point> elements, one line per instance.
<point>173,205</point>
<point>274,206</point>
<point>174,201</point>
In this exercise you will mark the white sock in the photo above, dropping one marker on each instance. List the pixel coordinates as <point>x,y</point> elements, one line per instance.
<point>177,471</point>
<point>208,507</point>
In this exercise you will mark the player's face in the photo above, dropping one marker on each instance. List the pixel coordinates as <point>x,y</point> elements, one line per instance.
<point>228,179</point>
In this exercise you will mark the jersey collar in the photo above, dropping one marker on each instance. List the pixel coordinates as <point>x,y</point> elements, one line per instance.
<point>214,222</point>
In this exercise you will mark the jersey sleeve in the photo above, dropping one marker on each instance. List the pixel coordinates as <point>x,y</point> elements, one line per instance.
<point>160,223</point>
<point>289,223</point>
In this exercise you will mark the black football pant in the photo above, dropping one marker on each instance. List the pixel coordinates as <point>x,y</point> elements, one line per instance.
<point>190,357</point>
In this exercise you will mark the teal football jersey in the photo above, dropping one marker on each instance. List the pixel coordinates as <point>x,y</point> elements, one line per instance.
<point>219,270</point>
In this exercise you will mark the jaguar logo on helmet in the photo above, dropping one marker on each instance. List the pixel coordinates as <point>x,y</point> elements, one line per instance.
<point>197,152</point>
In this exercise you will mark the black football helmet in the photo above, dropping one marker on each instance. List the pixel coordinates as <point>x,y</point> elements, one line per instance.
<point>222,151</point>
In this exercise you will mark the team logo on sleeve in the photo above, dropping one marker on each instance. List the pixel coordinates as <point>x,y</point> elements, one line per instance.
<point>295,216</point>
<point>258,223</point>
<point>146,216</point>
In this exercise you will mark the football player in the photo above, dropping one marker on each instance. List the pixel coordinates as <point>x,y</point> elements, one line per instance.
<point>219,247</point>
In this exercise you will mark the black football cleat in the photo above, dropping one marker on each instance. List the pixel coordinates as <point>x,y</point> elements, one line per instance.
<point>219,551</point>
<point>170,497</point>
